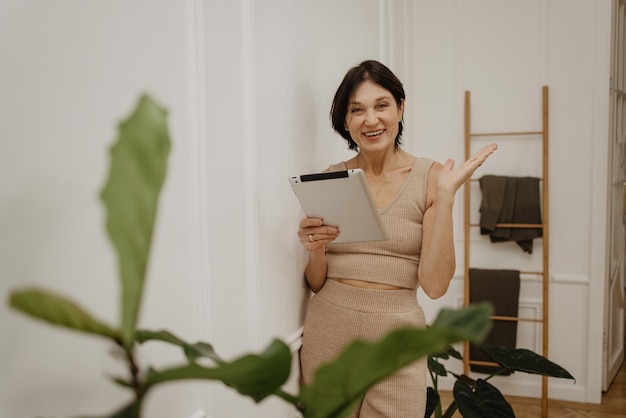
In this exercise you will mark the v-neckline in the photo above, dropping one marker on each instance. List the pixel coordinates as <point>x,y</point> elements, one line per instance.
<point>385,208</point>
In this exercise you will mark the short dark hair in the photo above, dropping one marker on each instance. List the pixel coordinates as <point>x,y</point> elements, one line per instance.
<point>375,72</point>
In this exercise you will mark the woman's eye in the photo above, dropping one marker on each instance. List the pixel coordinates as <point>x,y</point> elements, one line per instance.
<point>355,110</point>
<point>383,105</point>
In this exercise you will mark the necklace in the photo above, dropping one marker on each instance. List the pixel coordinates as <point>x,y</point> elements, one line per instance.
<point>380,188</point>
<point>384,179</point>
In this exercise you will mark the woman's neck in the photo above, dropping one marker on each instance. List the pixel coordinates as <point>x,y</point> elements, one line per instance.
<point>378,164</point>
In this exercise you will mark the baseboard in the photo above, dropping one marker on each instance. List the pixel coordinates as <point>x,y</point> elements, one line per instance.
<point>563,391</point>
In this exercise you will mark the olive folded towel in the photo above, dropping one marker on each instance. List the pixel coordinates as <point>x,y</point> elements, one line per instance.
<point>510,200</point>
<point>501,288</point>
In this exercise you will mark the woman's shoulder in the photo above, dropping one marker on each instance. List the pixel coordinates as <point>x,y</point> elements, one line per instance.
<point>425,164</point>
<point>340,166</point>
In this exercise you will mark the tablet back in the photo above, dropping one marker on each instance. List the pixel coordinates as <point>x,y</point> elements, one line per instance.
<point>343,199</point>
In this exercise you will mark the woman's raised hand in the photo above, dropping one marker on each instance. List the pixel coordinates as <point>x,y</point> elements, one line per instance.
<point>451,179</point>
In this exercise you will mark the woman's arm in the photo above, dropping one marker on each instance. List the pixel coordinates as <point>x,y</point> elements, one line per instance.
<point>437,260</point>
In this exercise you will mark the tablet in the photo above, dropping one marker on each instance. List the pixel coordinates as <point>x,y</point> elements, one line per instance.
<point>342,199</point>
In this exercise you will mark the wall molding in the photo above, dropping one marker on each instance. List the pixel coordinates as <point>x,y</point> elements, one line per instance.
<point>557,278</point>
<point>385,34</point>
<point>598,259</point>
<point>573,279</point>
<point>198,180</point>
<point>535,306</point>
<point>198,164</point>
<point>250,169</point>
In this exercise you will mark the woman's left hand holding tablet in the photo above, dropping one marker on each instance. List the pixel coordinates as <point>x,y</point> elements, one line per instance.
<point>314,235</point>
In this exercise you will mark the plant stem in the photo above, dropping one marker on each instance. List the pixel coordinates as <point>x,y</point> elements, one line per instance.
<point>496,373</point>
<point>451,410</point>
<point>133,370</point>
<point>297,402</point>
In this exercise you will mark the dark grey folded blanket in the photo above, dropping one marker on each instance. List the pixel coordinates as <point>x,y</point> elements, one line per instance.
<point>501,288</point>
<point>510,200</point>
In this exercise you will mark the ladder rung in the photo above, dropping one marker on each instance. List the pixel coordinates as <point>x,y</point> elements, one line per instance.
<point>538,273</point>
<point>483,363</point>
<point>474,180</point>
<point>520,226</point>
<point>514,319</point>
<point>506,133</point>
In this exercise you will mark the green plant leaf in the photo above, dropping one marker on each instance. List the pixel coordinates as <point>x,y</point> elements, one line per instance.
<point>454,353</point>
<point>484,401</point>
<point>432,400</point>
<point>58,310</point>
<point>192,351</point>
<point>137,172</point>
<point>256,376</point>
<point>523,360</point>
<point>447,353</point>
<point>465,378</point>
<point>468,323</point>
<point>339,385</point>
<point>120,381</point>
<point>436,367</point>
<point>133,410</point>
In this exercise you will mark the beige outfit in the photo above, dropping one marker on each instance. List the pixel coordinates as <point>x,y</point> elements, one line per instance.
<point>340,313</point>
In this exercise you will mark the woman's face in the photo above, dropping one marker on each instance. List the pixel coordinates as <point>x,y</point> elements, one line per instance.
<point>373,117</point>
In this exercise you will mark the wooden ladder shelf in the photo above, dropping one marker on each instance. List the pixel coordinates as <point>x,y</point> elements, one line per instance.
<point>469,136</point>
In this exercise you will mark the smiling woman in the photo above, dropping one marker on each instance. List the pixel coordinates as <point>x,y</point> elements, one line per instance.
<point>365,289</point>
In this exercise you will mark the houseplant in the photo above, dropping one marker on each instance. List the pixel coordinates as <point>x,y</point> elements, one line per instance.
<point>478,398</point>
<point>137,171</point>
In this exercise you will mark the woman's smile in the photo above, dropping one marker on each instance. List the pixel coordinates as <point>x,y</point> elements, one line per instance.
<point>373,134</point>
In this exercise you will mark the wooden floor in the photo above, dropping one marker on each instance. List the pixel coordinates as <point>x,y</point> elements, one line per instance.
<point>613,404</point>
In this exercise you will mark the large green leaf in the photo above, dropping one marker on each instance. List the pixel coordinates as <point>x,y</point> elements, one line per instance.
<point>58,310</point>
<point>484,401</point>
<point>137,172</point>
<point>523,360</point>
<point>338,386</point>
<point>192,351</point>
<point>467,323</point>
<point>256,376</point>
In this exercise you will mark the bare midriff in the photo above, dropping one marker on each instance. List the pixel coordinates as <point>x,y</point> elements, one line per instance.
<point>367,285</point>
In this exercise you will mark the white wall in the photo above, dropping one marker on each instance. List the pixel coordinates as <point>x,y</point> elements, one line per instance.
<point>248,86</point>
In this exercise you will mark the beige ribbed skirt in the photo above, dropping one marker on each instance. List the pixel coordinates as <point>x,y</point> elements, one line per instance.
<point>338,314</point>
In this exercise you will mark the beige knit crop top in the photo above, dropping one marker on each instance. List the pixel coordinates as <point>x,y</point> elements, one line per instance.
<point>393,262</point>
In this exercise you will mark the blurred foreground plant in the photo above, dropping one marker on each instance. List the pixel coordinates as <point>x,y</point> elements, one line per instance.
<point>137,172</point>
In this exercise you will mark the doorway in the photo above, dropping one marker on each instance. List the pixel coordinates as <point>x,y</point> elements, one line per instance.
<point>614,316</point>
